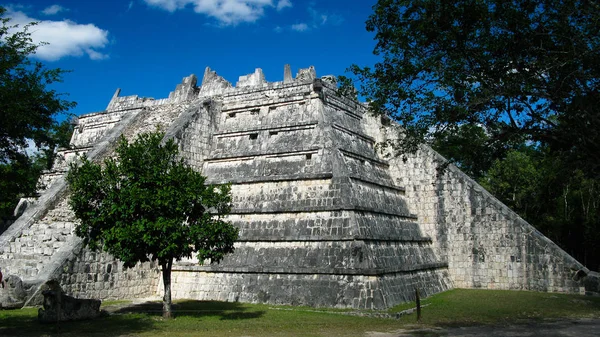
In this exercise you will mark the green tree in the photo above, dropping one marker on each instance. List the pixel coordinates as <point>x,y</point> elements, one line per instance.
<point>471,148</point>
<point>28,111</point>
<point>515,180</point>
<point>507,90</point>
<point>146,204</point>
<point>544,189</point>
<point>18,179</point>
<point>520,68</point>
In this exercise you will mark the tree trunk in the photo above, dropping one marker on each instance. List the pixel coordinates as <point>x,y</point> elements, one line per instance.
<point>166,273</point>
<point>418,300</point>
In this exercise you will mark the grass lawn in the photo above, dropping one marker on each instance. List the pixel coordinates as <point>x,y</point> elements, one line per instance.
<point>474,306</point>
<point>196,318</point>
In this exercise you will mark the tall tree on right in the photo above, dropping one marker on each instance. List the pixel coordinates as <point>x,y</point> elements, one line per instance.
<point>520,69</point>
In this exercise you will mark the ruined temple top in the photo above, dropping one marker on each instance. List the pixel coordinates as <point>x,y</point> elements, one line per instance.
<point>212,84</point>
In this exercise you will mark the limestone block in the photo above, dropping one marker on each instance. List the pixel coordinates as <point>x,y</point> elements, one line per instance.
<point>306,75</point>
<point>326,217</point>
<point>58,306</point>
<point>184,91</point>
<point>255,79</point>
<point>12,294</point>
<point>592,283</point>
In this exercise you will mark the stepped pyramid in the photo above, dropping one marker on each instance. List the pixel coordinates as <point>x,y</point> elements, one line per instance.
<point>325,218</point>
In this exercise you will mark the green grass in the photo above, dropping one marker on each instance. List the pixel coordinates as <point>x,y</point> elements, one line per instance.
<point>196,318</point>
<point>468,307</point>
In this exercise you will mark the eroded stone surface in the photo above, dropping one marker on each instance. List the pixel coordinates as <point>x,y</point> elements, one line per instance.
<point>12,294</point>
<point>592,283</point>
<point>326,218</point>
<point>59,307</point>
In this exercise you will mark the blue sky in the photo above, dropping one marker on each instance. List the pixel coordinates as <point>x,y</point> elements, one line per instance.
<point>145,47</point>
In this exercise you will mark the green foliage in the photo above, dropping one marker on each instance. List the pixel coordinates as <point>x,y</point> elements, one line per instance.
<point>462,307</point>
<point>506,90</point>
<point>27,106</point>
<point>18,179</point>
<point>146,204</point>
<point>471,148</point>
<point>27,112</point>
<point>515,180</point>
<point>561,202</point>
<point>518,68</point>
<point>459,307</point>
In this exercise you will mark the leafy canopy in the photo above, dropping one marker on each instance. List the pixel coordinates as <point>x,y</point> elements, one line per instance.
<point>27,105</point>
<point>520,69</point>
<point>28,109</point>
<point>146,204</point>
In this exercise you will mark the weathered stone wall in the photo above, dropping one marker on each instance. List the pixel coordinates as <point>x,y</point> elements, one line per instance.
<point>313,202</point>
<point>92,127</point>
<point>41,244</point>
<point>485,244</point>
<point>99,275</point>
<point>324,219</point>
<point>318,290</point>
<point>27,254</point>
<point>5,223</point>
<point>195,141</point>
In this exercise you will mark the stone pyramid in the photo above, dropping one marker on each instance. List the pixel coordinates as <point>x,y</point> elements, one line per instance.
<point>325,218</point>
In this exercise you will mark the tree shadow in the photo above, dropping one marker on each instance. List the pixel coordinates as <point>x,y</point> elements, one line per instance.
<point>107,325</point>
<point>127,320</point>
<point>197,309</point>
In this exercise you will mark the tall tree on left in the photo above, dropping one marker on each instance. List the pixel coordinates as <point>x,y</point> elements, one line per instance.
<point>28,111</point>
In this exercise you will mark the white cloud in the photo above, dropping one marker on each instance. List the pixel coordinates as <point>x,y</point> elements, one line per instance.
<point>281,4</point>
<point>130,6</point>
<point>54,9</point>
<point>278,29</point>
<point>228,12</point>
<point>300,27</point>
<point>63,38</point>
<point>317,19</point>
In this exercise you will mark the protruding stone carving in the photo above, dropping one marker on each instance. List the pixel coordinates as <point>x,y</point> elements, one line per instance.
<point>12,295</point>
<point>287,74</point>
<point>321,218</point>
<point>317,86</point>
<point>592,283</point>
<point>251,80</point>
<point>213,84</point>
<point>21,206</point>
<point>185,90</point>
<point>116,94</point>
<point>114,99</point>
<point>306,74</point>
<point>60,307</point>
<point>330,79</point>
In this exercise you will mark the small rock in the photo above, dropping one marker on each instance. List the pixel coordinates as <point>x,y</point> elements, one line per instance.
<point>13,295</point>
<point>60,307</point>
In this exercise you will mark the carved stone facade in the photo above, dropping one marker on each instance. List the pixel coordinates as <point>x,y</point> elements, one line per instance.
<point>325,218</point>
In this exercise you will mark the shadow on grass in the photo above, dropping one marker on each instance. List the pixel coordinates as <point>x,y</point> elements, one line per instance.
<point>19,324</point>
<point>197,309</point>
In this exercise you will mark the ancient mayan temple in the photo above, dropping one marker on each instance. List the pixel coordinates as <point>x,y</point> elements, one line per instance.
<point>325,218</point>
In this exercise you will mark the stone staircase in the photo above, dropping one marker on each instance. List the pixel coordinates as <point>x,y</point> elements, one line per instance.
<point>41,240</point>
<point>41,244</point>
<point>28,253</point>
<point>324,218</point>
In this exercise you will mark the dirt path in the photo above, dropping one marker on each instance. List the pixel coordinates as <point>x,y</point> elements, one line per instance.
<point>559,328</point>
